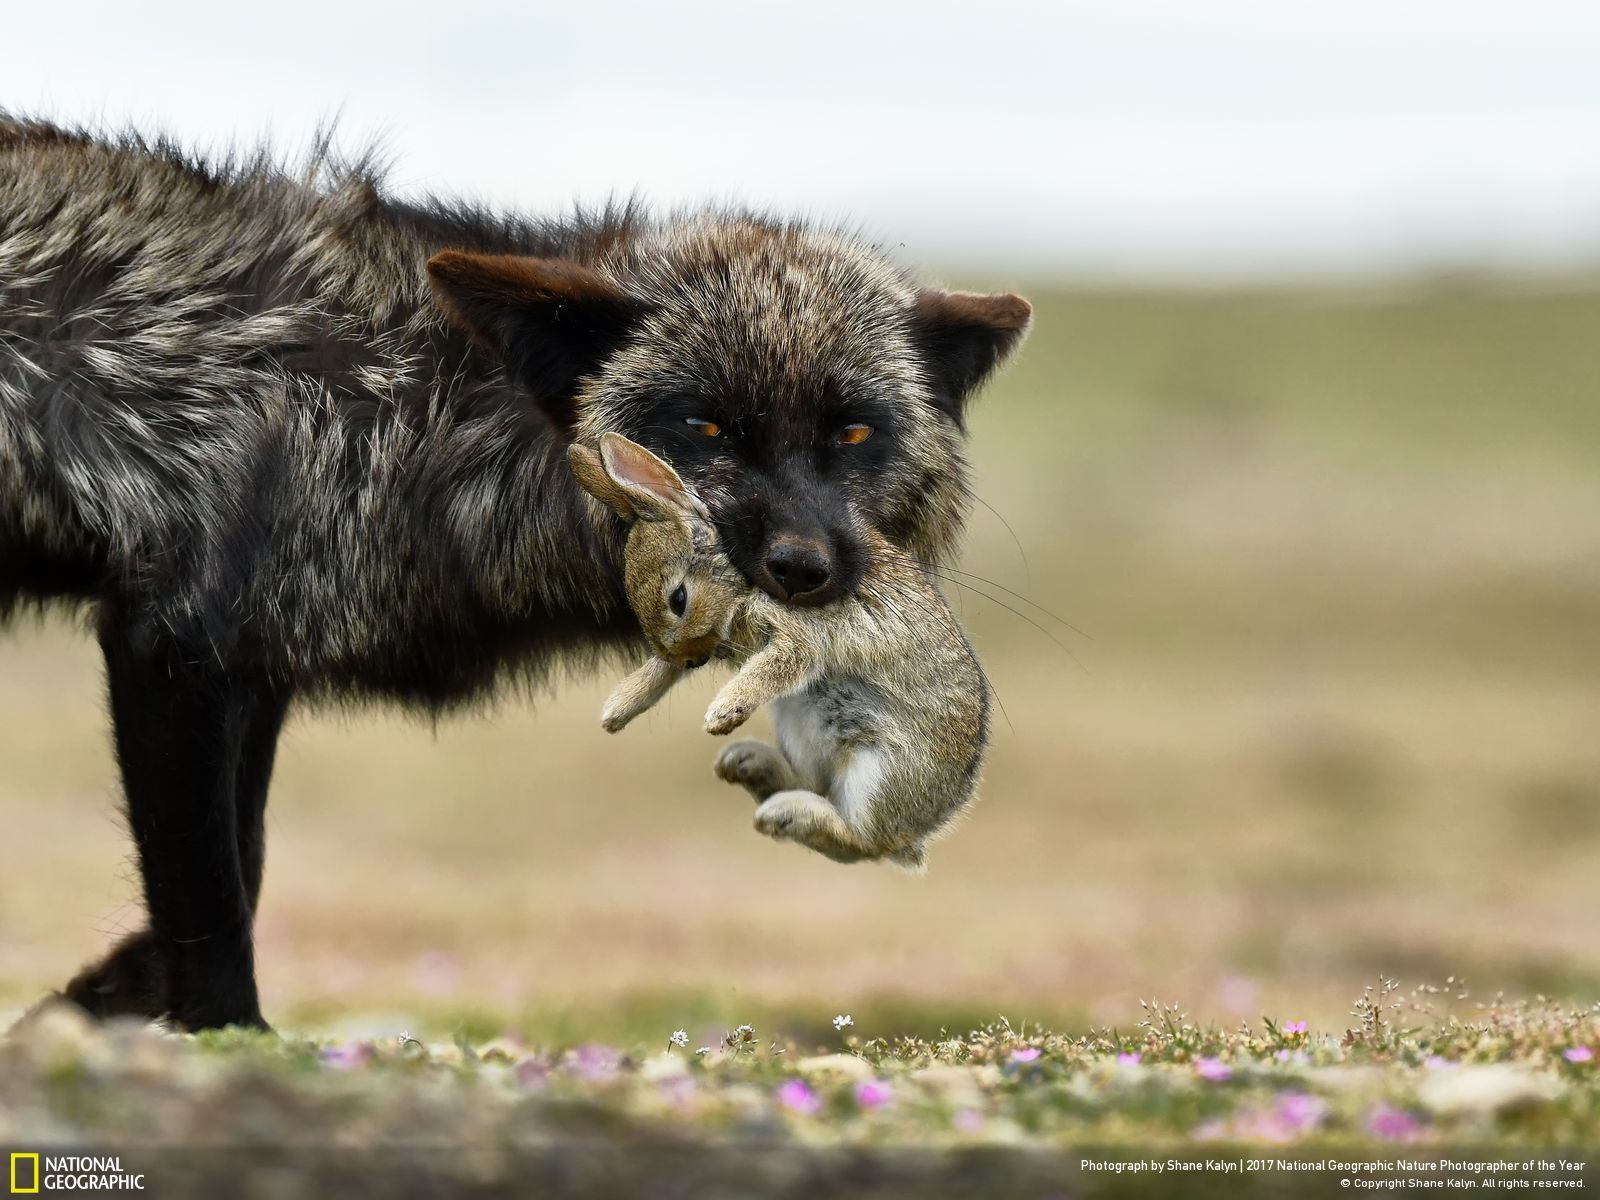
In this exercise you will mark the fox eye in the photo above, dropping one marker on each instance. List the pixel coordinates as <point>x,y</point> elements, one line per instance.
<point>709,428</point>
<point>678,602</point>
<point>853,435</point>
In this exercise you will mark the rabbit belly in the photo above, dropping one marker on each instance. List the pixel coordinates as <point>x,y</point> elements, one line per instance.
<point>829,735</point>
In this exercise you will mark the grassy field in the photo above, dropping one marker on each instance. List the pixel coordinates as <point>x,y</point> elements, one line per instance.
<point>1333,712</point>
<point>1164,1108</point>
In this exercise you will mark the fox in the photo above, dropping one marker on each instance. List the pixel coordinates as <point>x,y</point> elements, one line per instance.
<point>287,439</point>
<point>879,704</point>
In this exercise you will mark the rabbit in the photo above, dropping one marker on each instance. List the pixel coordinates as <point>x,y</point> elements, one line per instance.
<point>880,706</point>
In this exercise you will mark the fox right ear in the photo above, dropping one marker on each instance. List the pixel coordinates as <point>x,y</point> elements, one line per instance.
<point>550,320</point>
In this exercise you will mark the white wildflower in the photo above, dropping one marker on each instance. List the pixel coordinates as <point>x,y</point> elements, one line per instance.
<point>680,1038</point>
<point>843,1021</point>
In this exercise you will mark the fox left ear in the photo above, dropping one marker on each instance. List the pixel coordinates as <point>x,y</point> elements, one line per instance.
<point>550,320</point>
<point>963,336</point>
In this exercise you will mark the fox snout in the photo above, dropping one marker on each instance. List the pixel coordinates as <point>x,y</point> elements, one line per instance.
<point>794,542</point>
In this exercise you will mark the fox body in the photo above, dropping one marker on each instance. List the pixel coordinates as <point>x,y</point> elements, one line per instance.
<point>288,438</point>
<point>878,702</point>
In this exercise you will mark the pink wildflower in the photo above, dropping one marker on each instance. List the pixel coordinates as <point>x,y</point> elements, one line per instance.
<point>1129,1058</point>
<point>1294,1027</point>
<point>594,1063</point>
<point>1393,1124</point>
<point>1210,1068</point>
<point>797,1097</point>
<point>873,1093</point>
<point>347,1058</point>
<point>1579,1054</point>
<point>1025,1054</point>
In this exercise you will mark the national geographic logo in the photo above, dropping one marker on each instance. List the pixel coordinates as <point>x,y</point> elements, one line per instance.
<point>31,1174</point>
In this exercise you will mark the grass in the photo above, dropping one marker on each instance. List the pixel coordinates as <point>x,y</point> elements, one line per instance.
<point>1412,1077</point>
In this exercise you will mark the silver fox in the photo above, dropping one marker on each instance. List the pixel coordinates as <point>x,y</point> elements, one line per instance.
<point>879,704</point>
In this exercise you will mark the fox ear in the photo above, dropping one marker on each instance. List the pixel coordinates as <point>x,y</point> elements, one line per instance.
<point>637,482</point>
<point>963,337</point>
<point>550,320</point>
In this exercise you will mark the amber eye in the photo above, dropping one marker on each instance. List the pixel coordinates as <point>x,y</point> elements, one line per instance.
<point>853,435</point>
<point>709,428</point>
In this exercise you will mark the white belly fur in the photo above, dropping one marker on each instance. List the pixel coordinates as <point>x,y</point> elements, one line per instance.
<point>849,778</point>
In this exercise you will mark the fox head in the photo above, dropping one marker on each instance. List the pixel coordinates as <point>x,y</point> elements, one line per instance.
<point>802,386</point>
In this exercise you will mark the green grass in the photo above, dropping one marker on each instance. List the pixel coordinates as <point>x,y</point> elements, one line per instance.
<point>1411,1077</point>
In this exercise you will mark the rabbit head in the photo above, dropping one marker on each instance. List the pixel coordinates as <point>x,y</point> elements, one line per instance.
<point>679,584</point>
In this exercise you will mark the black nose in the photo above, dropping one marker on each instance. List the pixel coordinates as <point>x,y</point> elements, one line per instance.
<point>798,567</point>
<point>695,664</point>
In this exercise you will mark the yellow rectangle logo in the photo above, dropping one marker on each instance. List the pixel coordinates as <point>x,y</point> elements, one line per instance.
<point>16,1187</point>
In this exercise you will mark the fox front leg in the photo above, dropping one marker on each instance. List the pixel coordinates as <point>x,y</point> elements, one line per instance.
<point>639,692</point>
<point>773,672</point>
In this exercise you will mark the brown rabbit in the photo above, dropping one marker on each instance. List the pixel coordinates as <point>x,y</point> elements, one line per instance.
<point>880,707</point>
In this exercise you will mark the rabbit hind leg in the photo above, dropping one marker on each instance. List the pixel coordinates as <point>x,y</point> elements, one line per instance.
<point>807,818</point>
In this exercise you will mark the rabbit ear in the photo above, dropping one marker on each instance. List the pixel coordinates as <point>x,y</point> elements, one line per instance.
<point>648,483</point>
<point>591,475</point>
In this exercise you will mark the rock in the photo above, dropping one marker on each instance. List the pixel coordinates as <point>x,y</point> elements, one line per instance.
<point>846,1065</point>
<point>1490,1088</point>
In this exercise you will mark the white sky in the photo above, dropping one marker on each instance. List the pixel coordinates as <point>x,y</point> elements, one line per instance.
<point>1146,138</point>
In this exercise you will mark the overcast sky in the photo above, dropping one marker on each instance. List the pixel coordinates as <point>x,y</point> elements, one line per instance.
<point>1152,138</point>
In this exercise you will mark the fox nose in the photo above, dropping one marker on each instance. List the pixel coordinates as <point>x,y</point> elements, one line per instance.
<point>798,567</point>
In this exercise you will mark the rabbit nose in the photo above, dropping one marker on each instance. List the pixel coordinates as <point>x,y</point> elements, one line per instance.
<point>692,663</point>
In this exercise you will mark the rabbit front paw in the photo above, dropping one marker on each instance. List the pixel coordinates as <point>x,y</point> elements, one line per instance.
<point>725,717</point>
<point>614,718</point>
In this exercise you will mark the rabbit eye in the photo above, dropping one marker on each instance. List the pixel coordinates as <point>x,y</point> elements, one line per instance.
<point>679,600</point>
<point>709,428</point>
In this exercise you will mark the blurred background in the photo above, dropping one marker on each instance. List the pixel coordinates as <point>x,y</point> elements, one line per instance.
<point>1305,442</point>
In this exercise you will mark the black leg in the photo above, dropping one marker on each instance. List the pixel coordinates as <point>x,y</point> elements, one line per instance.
<point>258,748</point>
<point>180,739</point>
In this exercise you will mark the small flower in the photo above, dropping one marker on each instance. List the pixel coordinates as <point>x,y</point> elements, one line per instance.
<point>798,1097</point>
<point>594,1063</point>
<point>347,1058</point>
<point>1297,1113</point>
<point>873,1093</point>
<point>1579,1054</point>
<point>703,1050</point>
<point>1210,1068</point>
<point>1025,1054</point>
<point>1437,1062</point>
<point>1129,1058</point>
<point>1294,1027</point>
<point>843,1021</point>
<point>1393,1124</point>
<point>532,1072</point>
<point>680,1038</point>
